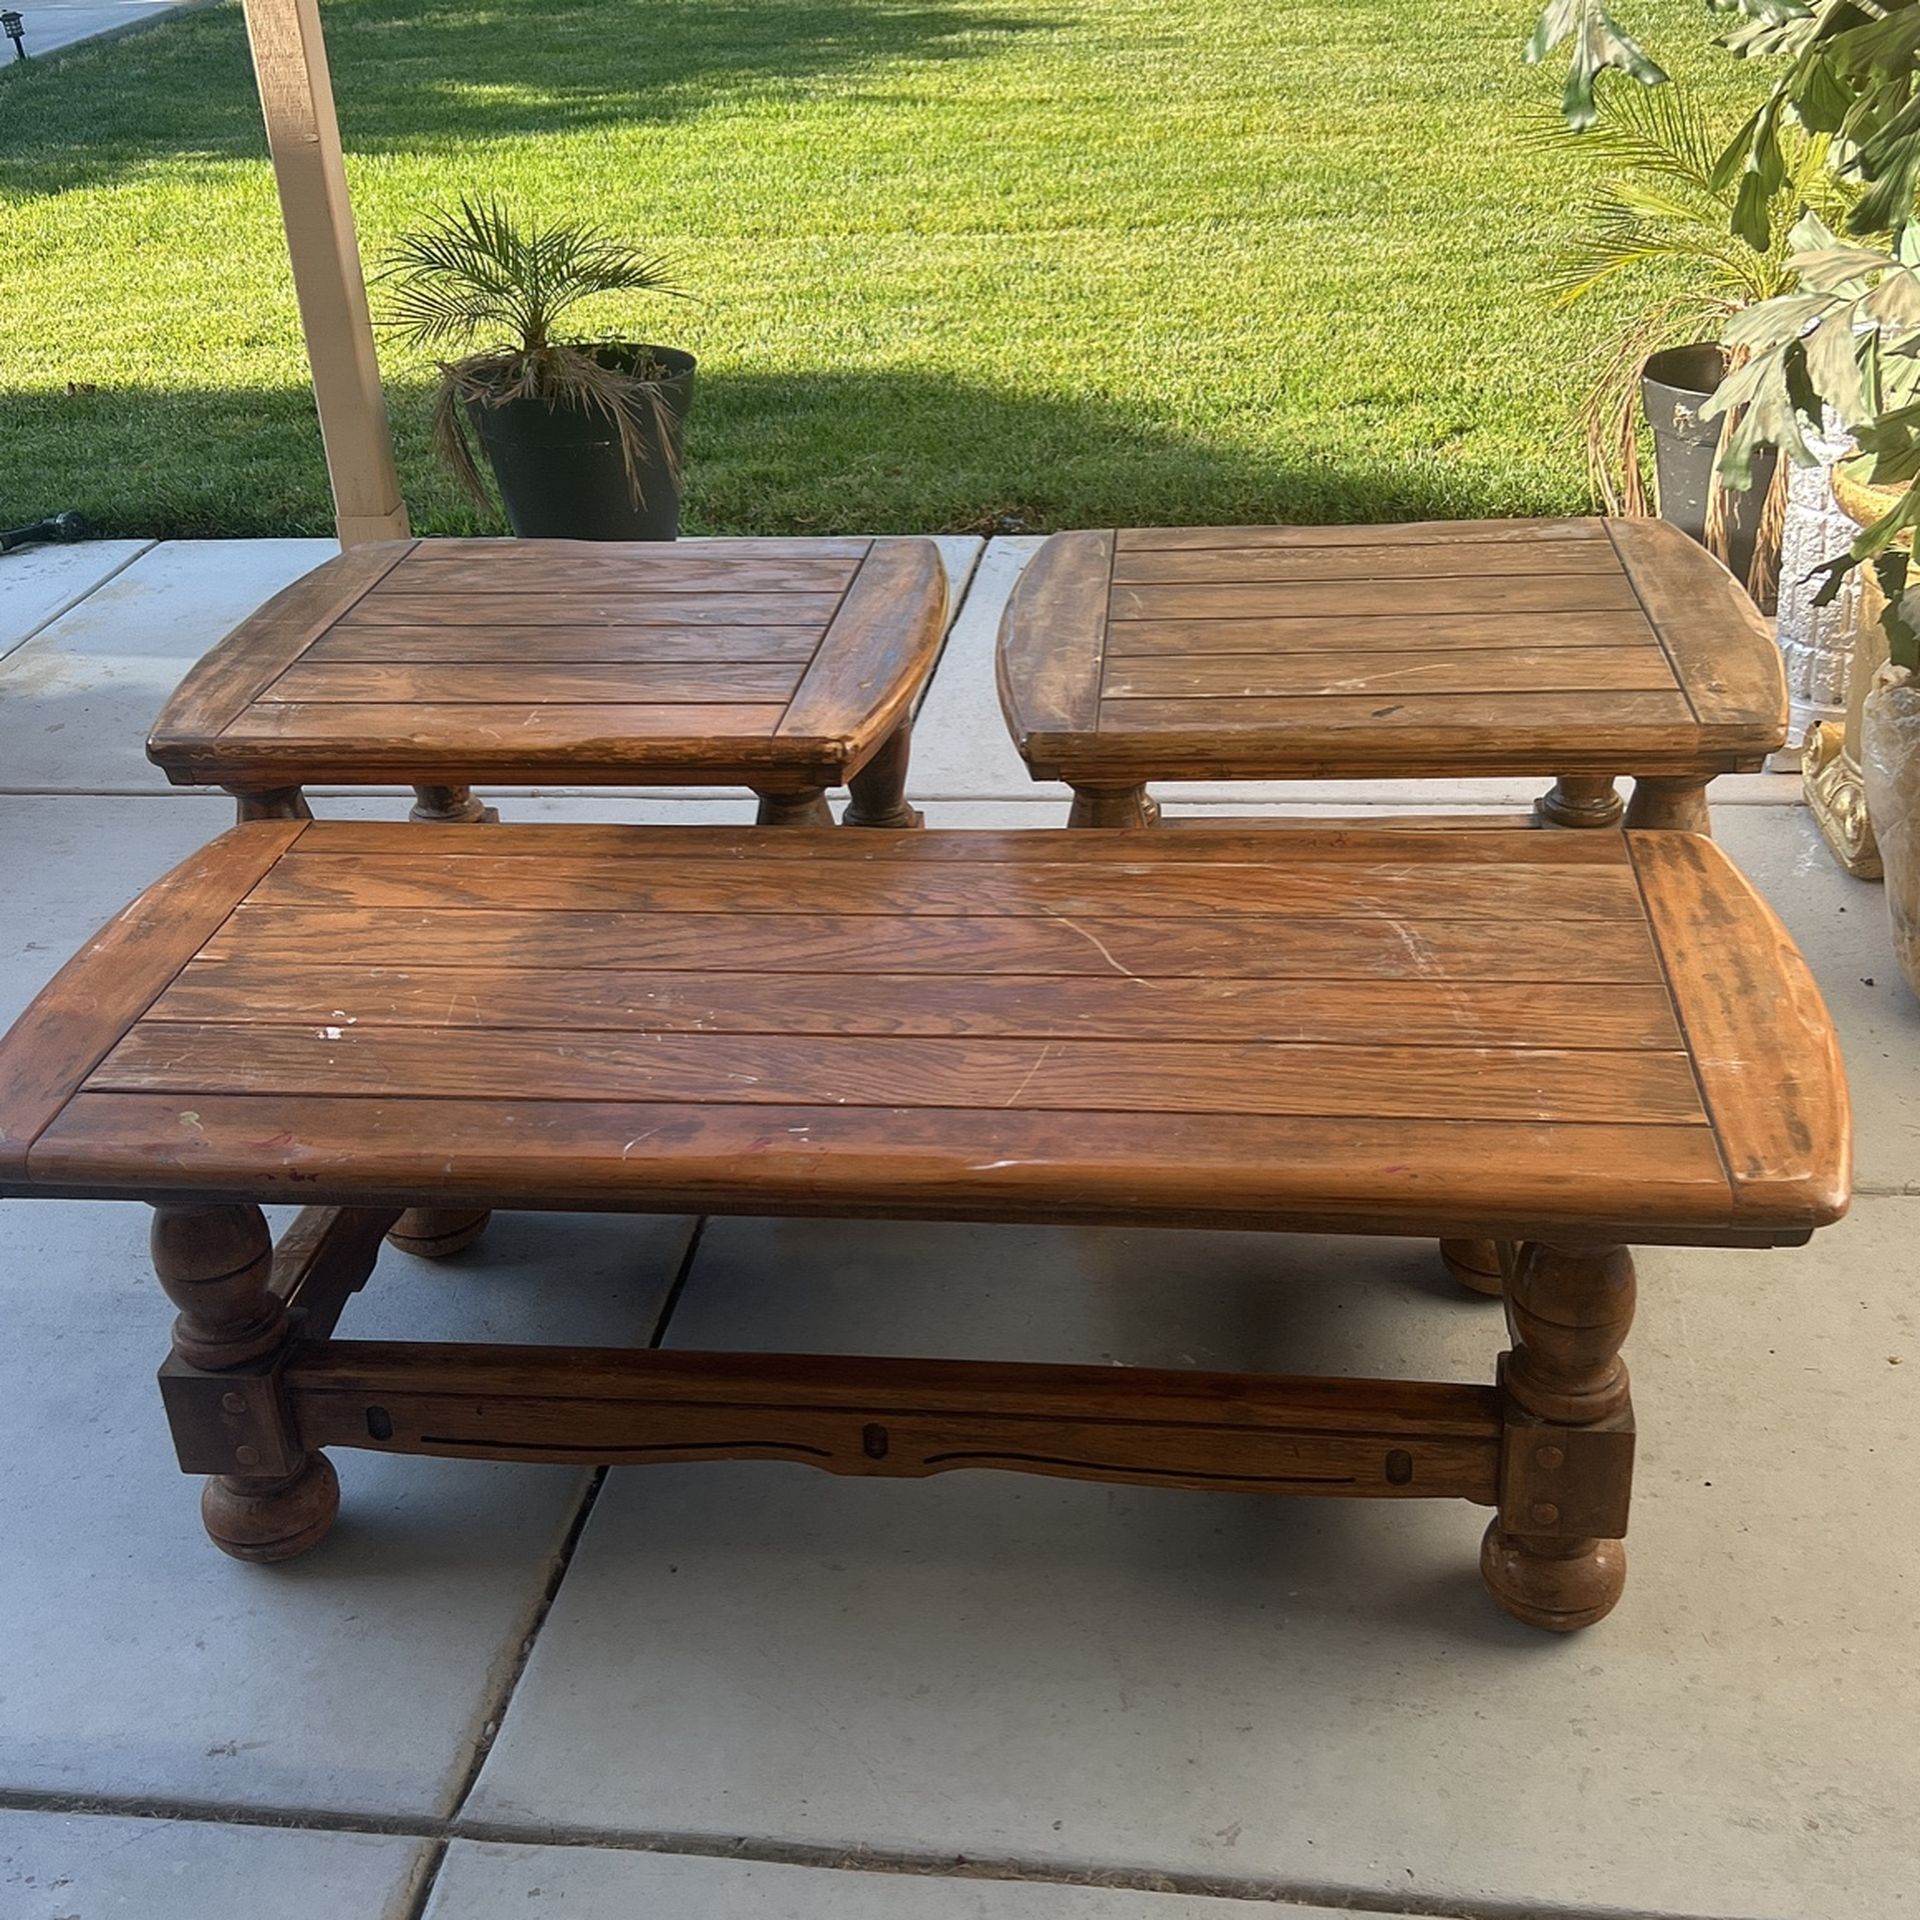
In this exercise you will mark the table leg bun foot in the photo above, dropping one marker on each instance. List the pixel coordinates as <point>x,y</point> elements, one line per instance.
<point>269,1520</point>
<point>1558,1585</point>
<point>1113,807</point>
<point>899,818</point>
<point>1579,800</point>
<point>805,809</point>
<point>433,1233</point>
<point>877,794</point>
<point>1478,1265</point>
<point>452,806</point>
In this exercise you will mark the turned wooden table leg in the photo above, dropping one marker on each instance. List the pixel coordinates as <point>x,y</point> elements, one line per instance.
<point>283,803</point>
<point>803,807</point>
<point>1579,800</point>
<point>877,794</point>
<point>1481,1266</point>
<point>1552,1557</point>
<point>452,806</point>
<point>1678,803</point>
<point>1113,807</point>
<point>215,1263</point>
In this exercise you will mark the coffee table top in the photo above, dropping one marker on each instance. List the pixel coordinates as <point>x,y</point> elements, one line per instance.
<point>1367,1030</point>
<point>1443,648</point>
<point>781,664</point>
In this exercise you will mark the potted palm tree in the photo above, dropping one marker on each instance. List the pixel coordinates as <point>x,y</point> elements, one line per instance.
<point>584,435</point>
<point>1664,206</point>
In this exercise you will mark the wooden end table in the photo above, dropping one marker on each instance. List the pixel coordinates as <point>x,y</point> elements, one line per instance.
<point>784,666</point>
<point>1577,649</point>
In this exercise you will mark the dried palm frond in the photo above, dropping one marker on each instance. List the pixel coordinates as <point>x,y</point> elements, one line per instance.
<point>1660,211</point>
<point>485,295</point>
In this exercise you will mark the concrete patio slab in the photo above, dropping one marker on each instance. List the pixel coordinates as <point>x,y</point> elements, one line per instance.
<point>39,583</point>
<point>1312,1698</point>
<point>53,24</point>
<point>93,1867</point>
<point>483,1882</point>
<point>76,700</point>
<point>142,1663</point>
<point>70,863</point>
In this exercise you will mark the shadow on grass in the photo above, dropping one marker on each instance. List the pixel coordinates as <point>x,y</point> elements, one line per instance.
<point>767,453</point>
<point>421,78</point>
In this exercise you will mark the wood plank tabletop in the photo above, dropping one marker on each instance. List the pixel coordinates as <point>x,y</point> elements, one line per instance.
<point>1433,649</point>
<point>734,662</point>
<point>1363,1029</point>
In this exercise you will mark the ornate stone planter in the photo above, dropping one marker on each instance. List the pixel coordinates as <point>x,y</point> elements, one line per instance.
<point>1830,769</point>
<point>1816,643</point>
<point>1890,759</point>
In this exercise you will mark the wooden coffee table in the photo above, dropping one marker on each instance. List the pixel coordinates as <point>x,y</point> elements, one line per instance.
<point>1575,1041</point>
<point>785,666</point>
<point>1582,649</point>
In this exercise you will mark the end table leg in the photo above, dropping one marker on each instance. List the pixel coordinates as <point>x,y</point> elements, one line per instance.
<point>283,803</point>
<point>1481,1266</point>
<point>878,792</point>
<point>1569,1309</point>
<point>215,1263</point>
<point>1113,807</point>
<point>806,807</point>
<point>1578,800</point>
<point>437,1233</point>
<point>1677,803</point>
<point>452,806</point>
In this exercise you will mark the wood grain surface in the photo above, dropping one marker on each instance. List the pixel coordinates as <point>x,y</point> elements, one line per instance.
<point>1561,647</point>
<point>1377,1030</point>
<point>782,664</point>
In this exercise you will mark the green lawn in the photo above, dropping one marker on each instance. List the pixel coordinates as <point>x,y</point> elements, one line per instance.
<point>962,265</point>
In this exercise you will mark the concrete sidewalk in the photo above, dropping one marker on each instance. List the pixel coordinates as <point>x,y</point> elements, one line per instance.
<point>49,25</point>
<point>744,1692</point>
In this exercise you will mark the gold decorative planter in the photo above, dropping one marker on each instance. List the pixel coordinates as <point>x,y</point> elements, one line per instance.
<point>1830,769</point>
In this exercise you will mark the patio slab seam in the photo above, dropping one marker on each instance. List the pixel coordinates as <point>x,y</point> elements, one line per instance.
<point>86,593</point>
<point>1254,1889</point>
<point>491,1712</point>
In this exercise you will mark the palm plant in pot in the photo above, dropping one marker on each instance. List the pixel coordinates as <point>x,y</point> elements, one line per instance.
<point>1661,221</point>
<point>584,435</point>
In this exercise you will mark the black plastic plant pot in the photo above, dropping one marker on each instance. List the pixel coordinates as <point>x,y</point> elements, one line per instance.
<point>1674,386</point>
<point>560,469</point>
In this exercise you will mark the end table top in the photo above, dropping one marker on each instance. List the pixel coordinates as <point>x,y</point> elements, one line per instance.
<point>1434,649</point>
<point>782,664</point>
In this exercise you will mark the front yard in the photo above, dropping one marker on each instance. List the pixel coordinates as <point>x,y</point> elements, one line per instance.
<point>982,265</point>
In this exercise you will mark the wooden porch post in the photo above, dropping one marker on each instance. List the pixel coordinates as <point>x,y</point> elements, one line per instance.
<point>296,95</point>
